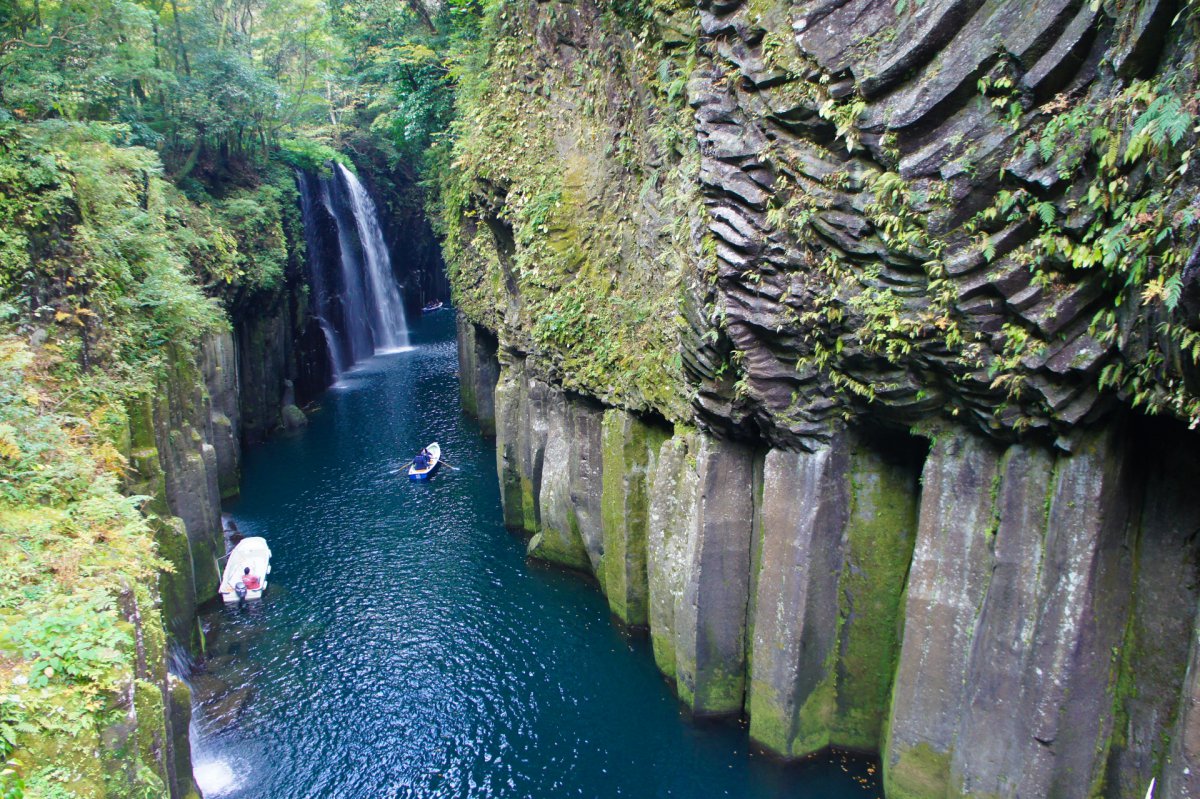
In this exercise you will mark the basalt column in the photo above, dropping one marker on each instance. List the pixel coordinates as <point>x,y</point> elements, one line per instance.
<point>1018,605</point>
<point>478,372</point>
<point>569,499</point>
<point>833,538</point>
<point>710,620</point>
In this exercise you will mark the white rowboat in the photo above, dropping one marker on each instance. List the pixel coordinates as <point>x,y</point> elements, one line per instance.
<point>253,553</point>
<point>435,456</point>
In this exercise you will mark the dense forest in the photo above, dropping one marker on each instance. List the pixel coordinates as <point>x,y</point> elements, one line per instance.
<point>148,199</point>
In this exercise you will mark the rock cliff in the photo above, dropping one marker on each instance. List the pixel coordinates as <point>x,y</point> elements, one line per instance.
<point>821,334</point>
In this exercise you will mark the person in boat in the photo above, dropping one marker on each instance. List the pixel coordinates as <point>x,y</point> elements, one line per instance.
<point>249,580</point>
<point>422,459</point>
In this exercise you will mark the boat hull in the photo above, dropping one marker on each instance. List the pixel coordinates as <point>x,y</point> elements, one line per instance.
<point>250,552</point>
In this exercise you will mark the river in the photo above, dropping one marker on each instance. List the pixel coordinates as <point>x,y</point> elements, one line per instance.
<point>405,648</point>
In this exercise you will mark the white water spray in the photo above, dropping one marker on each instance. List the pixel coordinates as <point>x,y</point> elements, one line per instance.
<point>387,311</point>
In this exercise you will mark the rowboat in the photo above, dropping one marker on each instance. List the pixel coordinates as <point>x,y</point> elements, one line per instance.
<point>436,305</point>
<point>250,553</point>
<point>416,472</point>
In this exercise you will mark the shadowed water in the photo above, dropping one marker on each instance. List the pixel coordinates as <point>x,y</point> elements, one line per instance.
<point>406,648</point>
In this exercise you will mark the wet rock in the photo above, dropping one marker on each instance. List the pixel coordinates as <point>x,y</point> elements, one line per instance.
<point>560,538</point>
<point>947,583</point>
<point>674,495</point>
<point>630,453</point>
<point>219,365</point>
<point>521,428</point>
<point>293,418</point>
<point>478,371</point>
<point>710,621</point>
<point>799,551</point>
<point>836,528</point>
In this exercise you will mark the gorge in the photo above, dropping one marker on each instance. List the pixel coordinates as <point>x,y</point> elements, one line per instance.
<point>847,347</point>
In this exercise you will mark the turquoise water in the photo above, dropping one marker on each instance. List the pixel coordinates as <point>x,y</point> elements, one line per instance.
<point>405,648</point>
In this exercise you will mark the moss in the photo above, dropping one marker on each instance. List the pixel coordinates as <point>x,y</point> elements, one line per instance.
<point>175,584</point>
<point>918,773</point>
<point>562,547</point>
<point>720,693</point>
<point>205,572</point>
<point>150,737</point>
<point>560,260</point>
<point>529,515</point>
<point>512,496</point>
<point>180,697</point>
<point>663,646</point>
<point>628,448</point>
<point>881,534</point>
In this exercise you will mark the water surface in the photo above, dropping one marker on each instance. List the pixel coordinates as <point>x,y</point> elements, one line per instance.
<point>406,649</point>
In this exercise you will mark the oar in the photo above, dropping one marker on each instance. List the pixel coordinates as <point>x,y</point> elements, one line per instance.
<point>446,463</point>
<point>401,467</point>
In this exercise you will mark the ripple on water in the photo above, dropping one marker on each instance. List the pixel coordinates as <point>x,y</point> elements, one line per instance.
<point>405,648</point>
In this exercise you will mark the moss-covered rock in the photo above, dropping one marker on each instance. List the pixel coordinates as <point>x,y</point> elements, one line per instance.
<point>674,493</point>
<point>630,452</point>
<point>710,619</point>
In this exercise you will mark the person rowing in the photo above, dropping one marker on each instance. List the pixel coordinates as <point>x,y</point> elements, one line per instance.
<point>422,460</point>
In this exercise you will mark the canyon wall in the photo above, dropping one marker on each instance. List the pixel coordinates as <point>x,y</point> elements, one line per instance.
<point>994,619</point>
<point>849,346</point>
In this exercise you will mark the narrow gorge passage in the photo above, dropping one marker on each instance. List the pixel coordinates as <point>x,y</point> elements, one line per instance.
<point>407,648</point>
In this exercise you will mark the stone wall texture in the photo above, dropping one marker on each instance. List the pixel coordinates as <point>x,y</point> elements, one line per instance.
<point>852,346</point>
<point>996,620</point>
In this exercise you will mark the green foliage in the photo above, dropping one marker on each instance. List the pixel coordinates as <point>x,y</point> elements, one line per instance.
<point>73,639</point>
<point>70,543</point>
<point>1138,217</point>
<point>255,219</point>
<point>311,156</point>
<point>97,248</point>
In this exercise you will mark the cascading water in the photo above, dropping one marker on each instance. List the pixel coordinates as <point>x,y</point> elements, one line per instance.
<point>356,300</point>
<point>354,294</point>
<point>390,326</point>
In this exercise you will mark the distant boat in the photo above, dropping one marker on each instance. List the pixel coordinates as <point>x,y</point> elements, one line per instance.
<point>253,553</point>
<point>423,472</point>
<point>436,305</point>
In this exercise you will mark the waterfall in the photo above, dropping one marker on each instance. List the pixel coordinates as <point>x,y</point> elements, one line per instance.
<point>353,294</point>
<point>355,299</point>
<point>389,324</point>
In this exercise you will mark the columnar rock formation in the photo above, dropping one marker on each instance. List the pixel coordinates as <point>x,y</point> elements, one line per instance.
<point>822,331</point>
<point>995,619</point>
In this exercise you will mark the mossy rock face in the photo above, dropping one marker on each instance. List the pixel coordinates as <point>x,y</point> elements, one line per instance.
<point>563,494</point>
<point>834,540</point>
<point>509,419</point>
<point>180,703</point>
<point>563,265</point>
<point>672,526</point>
<point>881,533</point>
<point>917,773</point>
<point>801,517</point>
<point>522,406</point>
<point>710,619</point>
<point>948,582</point>
<point>177,586</point>
<point>630,450</point>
